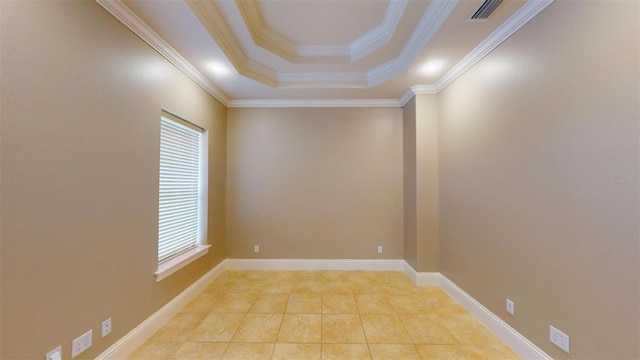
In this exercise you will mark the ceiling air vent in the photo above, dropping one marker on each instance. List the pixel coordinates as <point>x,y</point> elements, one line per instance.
<point>486,9</point>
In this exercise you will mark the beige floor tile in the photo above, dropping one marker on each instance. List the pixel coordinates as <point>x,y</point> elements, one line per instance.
<point>438,352</point>
<point>322,314</point>
<point>338,304</point>
<point>200,350</point>
<point>467,330</point>
<point>301,328</point>
<point>337,287</point>
<point>286,351</point>
<point>394,352</point>
<point>384,329</point>
<point>304,303</point>
<point>501,350</point>
<point>310,286</point>
<point>345,351</point>
<point>373,304</point>
<point>155,350</point>
<point>426,329</point>
<point>179,328</point>
<point>445,305</point>
<point>203,303</point>
<point>412,304</point>
<point>248,351</point>
<point>270,304</point>
<point>278,288</point>
<point>342,329</point>
<point>258,328</point>
<point>235,303</point>
<point>474,352</point>
<point>217,328</point>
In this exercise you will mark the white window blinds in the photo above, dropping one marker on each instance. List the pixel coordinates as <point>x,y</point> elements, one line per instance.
<point>180,188</point>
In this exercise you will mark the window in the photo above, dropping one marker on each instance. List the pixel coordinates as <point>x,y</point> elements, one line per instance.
<point>183,194</point>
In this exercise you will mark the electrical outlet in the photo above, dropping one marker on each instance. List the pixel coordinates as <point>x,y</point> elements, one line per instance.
<point>510,307</point>
<point>379,249</point>
<point>256,249</point>
<point>106,327</point>
<point>81,343</point>
<point>55,354</point>
<point>559,338</point>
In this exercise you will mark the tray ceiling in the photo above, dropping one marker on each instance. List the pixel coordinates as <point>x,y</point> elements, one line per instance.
<point>319,52</point>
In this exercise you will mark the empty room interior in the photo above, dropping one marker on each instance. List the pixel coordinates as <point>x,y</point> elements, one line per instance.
<point>308,179</point>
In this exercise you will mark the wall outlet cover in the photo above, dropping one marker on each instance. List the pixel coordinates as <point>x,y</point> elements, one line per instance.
<point>510,307</point>
<point>81,343</point>
<point>55,354</point>
<point>559,338</point>
<point>106,327</point>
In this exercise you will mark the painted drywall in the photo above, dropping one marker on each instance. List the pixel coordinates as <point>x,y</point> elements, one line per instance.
<point>410,181</point>
<point>314,183</point>
<point>539,189</point>
<point>81,101</point>
<point>420,160</point>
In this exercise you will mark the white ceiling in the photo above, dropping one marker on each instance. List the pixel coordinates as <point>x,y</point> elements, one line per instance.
<point>321,52</point>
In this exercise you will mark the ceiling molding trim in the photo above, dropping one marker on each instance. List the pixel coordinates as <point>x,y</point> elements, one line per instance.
<point>502,33</point>
<point>381,34</point>
<point>216,25</point>
<point>416,90</point>
<point>311,103</point>
<point>262,35</point>
<point>281,46</point>
<point>349,80</point>
<point>313,51</point>
<point>406,97</point>
<point>433,18</point>
<point>123,14</point>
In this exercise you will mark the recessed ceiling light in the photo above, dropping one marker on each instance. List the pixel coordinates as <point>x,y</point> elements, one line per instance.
<point>431,67</point>
<point>218,69</point>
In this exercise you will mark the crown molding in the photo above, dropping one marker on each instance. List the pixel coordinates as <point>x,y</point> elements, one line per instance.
<point>279,45</point>
<point>322,80</point>
<point>216,25</point>
<point>263,35</point>
<point>314,103</point>
<point>144,32</point>
<point>530,9</point>
<point>342,80</point>
<point>416,90</point>
<point>433,18</point>
<point>381,34</point>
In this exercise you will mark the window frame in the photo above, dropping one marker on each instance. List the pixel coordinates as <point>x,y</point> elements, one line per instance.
<point>178,261</point>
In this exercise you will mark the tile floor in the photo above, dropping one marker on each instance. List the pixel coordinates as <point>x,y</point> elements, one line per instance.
<point>298,315</point>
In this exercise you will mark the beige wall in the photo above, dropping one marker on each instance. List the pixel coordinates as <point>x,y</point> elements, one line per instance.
<point>314,183</point>
<point>81,99</point>
<point>420,152</point>
<point>539,190</point>
<point>409,177</point>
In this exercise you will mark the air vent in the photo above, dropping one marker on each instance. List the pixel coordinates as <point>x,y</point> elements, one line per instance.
<point>486,9</point>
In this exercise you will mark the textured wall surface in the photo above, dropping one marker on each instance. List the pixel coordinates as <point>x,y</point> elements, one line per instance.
<point>314,183</point>
<point>539,165</point>
<point>80,136</point>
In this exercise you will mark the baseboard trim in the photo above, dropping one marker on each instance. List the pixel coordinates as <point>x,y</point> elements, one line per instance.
<point>521,345</point>
<point>124,347</point>
<point>422,278</point>
<point>316,264</point>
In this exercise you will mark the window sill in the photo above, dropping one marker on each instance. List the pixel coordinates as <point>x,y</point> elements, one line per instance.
<point>167,268</point>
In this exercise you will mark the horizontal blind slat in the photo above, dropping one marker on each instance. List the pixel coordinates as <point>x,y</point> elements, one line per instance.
<point>179,185</point>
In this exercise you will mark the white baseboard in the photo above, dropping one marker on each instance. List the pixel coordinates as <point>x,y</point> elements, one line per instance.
<point>422,278</point>
<point>136,337</point>
<point>521,345</point>
<point>316,264</point>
